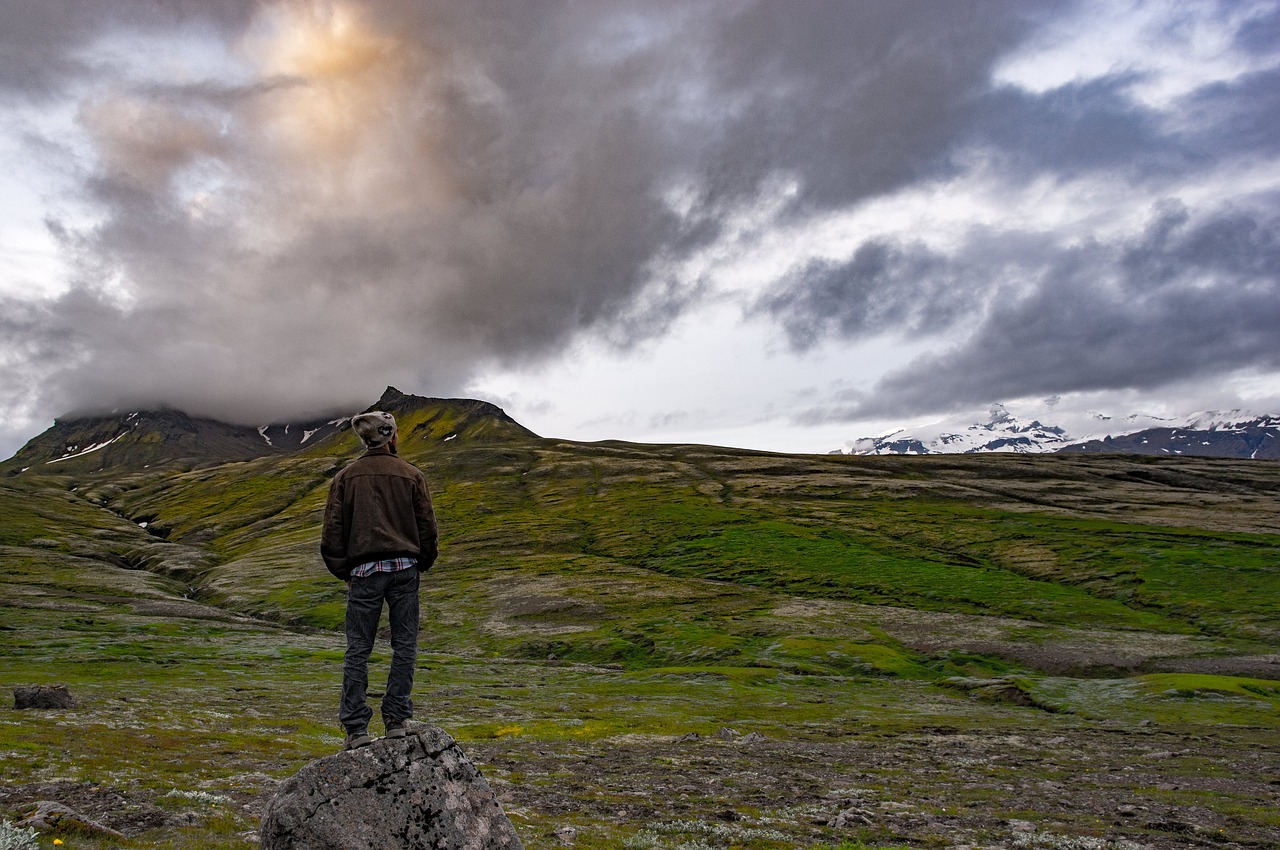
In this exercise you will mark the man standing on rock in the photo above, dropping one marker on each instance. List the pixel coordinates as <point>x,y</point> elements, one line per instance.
<point>379,535</point>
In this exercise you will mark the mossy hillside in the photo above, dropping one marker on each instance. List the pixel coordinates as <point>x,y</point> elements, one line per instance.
<point>810,527</point>
<point>675,529</point>
<point>210,503</point>
<point>645,521</point>
<point>56,515</point>
<point>584,517</point>
<point>1168,699</point>
<point>1194,576</point>
<point>1193,685</point>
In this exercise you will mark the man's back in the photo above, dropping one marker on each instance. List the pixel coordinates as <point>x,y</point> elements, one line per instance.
<point>379,507</point>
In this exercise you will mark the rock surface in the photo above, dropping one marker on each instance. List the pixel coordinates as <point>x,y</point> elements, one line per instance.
<point>43,696</point>
<point>50,816</point>
<point>420,791</point>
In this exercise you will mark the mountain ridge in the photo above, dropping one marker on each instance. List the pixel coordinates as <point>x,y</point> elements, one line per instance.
<point>1232,434</point>
<point>166,436</point>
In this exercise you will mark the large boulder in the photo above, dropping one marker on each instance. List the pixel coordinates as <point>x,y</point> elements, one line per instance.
<point>420,791</point>
<point>43,696</point>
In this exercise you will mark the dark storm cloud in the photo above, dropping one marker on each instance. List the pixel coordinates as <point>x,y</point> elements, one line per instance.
<point>1073,129</point>
<point>405,192</point>
<point>1226,120</point>
<point>1193,296</point>
<point>852,99</point>
<point>884,286</point>
<point>419,188</point>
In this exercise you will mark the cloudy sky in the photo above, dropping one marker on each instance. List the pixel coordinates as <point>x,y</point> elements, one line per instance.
<point>773,224</point>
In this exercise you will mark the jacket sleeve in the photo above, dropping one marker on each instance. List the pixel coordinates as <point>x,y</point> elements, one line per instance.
<point>333,533</point>
<point>428,533</point>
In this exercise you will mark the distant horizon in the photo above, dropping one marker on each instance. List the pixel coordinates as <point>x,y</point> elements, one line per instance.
<point>917,430</point>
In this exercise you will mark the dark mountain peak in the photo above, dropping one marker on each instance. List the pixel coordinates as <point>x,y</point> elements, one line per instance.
<point>392,397</point>
<point>456,416</point>
<point>168,437</point>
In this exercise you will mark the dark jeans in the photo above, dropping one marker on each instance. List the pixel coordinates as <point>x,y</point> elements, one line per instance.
<point>364,607</point>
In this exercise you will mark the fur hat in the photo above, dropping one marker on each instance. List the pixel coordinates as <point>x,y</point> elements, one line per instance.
<point>375,428</point>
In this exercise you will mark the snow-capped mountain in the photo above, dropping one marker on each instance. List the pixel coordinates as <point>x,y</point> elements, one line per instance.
<point>1233,433</point>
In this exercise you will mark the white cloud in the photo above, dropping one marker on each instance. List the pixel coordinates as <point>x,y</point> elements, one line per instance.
<point>714,377</point>
<point>1170,49</point>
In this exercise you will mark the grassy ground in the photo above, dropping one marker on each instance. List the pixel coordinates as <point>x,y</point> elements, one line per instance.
<point>677,647</point>
<point>178,741</point>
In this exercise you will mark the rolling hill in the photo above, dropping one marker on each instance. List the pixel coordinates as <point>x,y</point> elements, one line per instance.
<point>1175,547</point>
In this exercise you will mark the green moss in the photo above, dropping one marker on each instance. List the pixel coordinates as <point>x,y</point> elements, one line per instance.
<point>740,675</point>
<point>834,654</point>
<point>1191,685</point>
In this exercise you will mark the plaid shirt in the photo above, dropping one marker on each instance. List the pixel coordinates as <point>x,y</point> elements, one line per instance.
<point>391,565</point>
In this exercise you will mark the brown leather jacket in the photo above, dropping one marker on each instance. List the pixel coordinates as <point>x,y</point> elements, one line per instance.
<point>379,507</point>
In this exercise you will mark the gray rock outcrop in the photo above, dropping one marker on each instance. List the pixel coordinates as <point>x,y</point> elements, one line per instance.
<point>43,696</point>
<point>420,791</point>
<point>50,816</point>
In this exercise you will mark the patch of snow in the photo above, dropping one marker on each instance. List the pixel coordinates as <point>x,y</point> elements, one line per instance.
<point>1220,420</point>
<point>142,525</point>
<point>262,432</point>
<point>450,437</point>
<point>306,435</point>
<point>95,447</point>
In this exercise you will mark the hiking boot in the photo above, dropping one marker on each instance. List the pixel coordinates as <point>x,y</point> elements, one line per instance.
<point>396,729</point>
<point>356,740</point>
